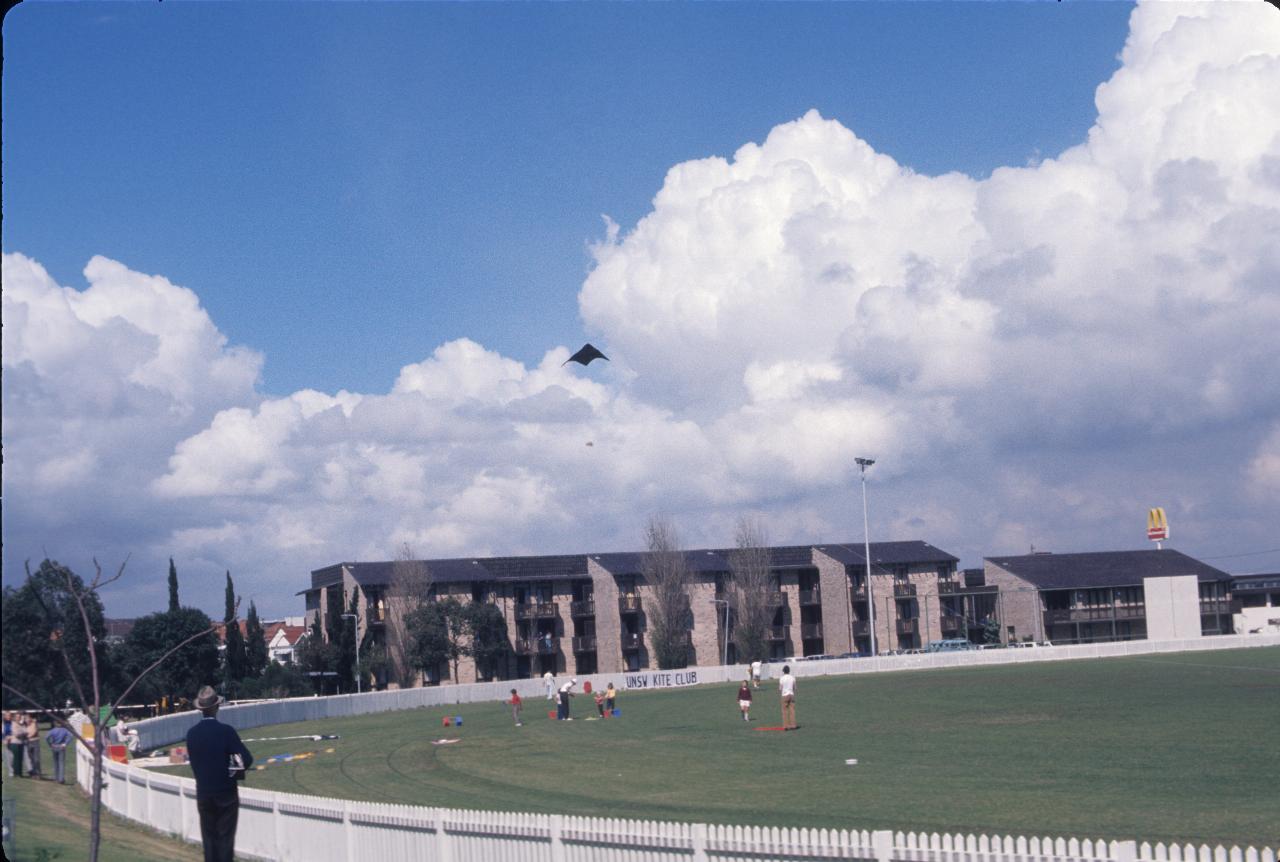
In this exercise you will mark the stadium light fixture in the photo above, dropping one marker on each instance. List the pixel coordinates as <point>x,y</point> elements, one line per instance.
<point>863,464</point>
<point>355,623</point>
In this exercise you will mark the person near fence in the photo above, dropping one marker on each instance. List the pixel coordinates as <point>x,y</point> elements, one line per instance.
<point>566,692</point>
<point>59,738</point>
<point>14,748</point>
<point>787,688</point>
<point>32,739</point>
<point>549,680</point>
<point>516,705</point>
<point>744,700</point>
<point>755,673</point>
<point>218,759</point>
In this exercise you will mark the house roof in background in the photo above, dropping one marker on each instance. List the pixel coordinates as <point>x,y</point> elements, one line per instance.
<point>1105,568</point>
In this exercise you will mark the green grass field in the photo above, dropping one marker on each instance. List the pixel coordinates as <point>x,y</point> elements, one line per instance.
<point>1164,747</point>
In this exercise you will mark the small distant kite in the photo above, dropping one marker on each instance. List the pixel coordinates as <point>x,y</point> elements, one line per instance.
<point>585,356</point>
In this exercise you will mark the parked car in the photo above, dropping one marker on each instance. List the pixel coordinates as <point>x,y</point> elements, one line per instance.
<point>949,645</point>
<point>1029,645</point>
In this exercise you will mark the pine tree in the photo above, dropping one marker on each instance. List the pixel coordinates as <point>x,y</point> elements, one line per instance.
<point>173,586</point>
<point>255,645</point>
<point>233,656</point>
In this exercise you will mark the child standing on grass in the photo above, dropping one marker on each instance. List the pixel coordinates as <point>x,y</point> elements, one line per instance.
<point>600,703</point>
<point>516,705</point>
<point>744,700</point>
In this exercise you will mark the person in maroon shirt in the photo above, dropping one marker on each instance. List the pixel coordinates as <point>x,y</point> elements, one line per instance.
<point>744,700</point>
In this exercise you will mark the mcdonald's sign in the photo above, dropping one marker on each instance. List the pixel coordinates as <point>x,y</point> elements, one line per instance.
<point>1157,525</point>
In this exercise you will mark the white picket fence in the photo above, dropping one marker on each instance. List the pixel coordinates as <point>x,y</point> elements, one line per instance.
<point>288,827</point>
<point>155,732</point>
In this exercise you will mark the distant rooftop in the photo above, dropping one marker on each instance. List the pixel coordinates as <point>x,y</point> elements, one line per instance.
<point>1105,568</point>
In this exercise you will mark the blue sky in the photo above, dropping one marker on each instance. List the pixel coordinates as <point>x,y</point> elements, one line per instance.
<point>288,284</point>
<point>350,185</point>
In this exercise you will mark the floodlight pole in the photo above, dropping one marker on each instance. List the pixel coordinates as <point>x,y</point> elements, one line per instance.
<point>863,464</point>
<point>355,624</point>
<point>724,650</point>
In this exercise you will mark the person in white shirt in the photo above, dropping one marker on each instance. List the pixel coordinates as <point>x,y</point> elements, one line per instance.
<point>755,673</point>
<point>566,692</point>
<point>787,688</point>
<point>549,680</point>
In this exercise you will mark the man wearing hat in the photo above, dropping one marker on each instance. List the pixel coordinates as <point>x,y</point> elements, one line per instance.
<point>218,759</point>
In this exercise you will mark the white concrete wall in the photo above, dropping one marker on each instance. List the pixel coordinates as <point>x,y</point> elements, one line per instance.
<point>1173,607</point>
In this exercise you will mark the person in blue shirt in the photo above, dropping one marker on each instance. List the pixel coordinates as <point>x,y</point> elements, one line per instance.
<point>58,740</point>
<point>219,759</point>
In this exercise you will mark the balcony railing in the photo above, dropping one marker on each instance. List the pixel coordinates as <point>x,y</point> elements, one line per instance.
<point>949,587</point>
<point>584,608</point>
<point>1209,607</point>
<point>779,633</point>
<point>537,646</point>
<point>908,627</point>
<point>811,597</point>
<point>861,628</point>
<point>630,604</point>
<point>777,599</point>
<point>537,611</point>
<point>584,643</point>
<point>952,625</point>
<point>811,631</point>
<point>904,591</point>
<point>632,641</point>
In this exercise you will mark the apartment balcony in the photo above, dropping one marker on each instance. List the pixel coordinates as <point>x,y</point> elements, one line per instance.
<point>1213,607</point>
<point>537,611</point>
<point>904,591</point>
<point>630,604</point>
<point>909,627</point>
<point>858,592</point>
<point>949,587</point>
<point>861,628</point>
<point>584,608</point>
<point>1094,615</point>
<point>779,633</point>
<point>632,641</point>
<point>811,631</point>
<point>537,646</point>
<point>777,599</point>
<point>810,597</point>
<point>584,643</point>
<point>952,626</point>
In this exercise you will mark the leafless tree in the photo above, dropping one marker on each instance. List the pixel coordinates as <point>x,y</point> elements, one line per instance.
<point>409,589</point>
<point>89,692</point>
<point>750,590</point>
<point>666,571</point>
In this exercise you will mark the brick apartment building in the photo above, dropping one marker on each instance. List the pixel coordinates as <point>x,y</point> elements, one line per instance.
<point>585,613</point>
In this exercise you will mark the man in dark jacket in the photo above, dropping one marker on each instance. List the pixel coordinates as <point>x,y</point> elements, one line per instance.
<point>218,759</point>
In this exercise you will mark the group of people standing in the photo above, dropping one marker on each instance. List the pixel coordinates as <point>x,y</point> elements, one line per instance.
<point>786,690</point>
<point>22,747</point>
<point>605,700</point>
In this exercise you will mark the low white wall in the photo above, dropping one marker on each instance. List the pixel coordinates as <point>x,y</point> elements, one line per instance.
<point>290,827</point>
<point>155,732</point>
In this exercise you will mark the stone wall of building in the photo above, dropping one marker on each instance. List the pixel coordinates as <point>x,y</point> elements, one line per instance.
<point>833,582</point>
<point>1017,605</point>
<point>706,621</point>
<point>604,587</point>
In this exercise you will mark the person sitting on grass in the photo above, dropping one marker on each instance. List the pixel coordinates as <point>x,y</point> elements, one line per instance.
<point>744,700</point>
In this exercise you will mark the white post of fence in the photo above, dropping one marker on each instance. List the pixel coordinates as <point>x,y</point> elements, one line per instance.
<point>444,845</point>
<point>348,831</point>
<point>557,841</point>
<point>277,824</point>
<point>1126,851</point>
<point>699,842</point>
<point>882,845</point>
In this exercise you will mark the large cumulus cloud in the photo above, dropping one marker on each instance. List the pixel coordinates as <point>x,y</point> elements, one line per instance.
<point>1034,357</point>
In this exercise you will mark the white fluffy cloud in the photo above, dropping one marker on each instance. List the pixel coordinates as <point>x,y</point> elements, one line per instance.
<point>1035,355</point>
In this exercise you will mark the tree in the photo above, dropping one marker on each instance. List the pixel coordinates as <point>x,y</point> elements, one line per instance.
<point>346,641</point>
<point>186,669</point>
<point>666,571</point>
<point>40,618</point>
<point>173,586</point>
<point>428,646</point>
<point>408,590</point>
<point>257,656</point>
<point>750,590</point>
<point>317,656</point>
<point>88,690</point>
<point>279,680</point>
<point>490,645</point>
<point>233,652</point>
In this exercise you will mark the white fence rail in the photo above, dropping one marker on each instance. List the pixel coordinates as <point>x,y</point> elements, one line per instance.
<point>155,732</point>
<point>290,827</point>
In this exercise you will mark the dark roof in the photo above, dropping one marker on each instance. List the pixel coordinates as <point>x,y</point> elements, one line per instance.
<point>887,553</point>
<point>1104,568</point>
<point>571,566</point>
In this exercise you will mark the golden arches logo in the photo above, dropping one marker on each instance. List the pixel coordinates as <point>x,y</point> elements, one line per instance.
<point>1157,525</point>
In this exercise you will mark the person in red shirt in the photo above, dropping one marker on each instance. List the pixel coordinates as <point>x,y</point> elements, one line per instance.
<point>516,705</point>
<point>744,700</point>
